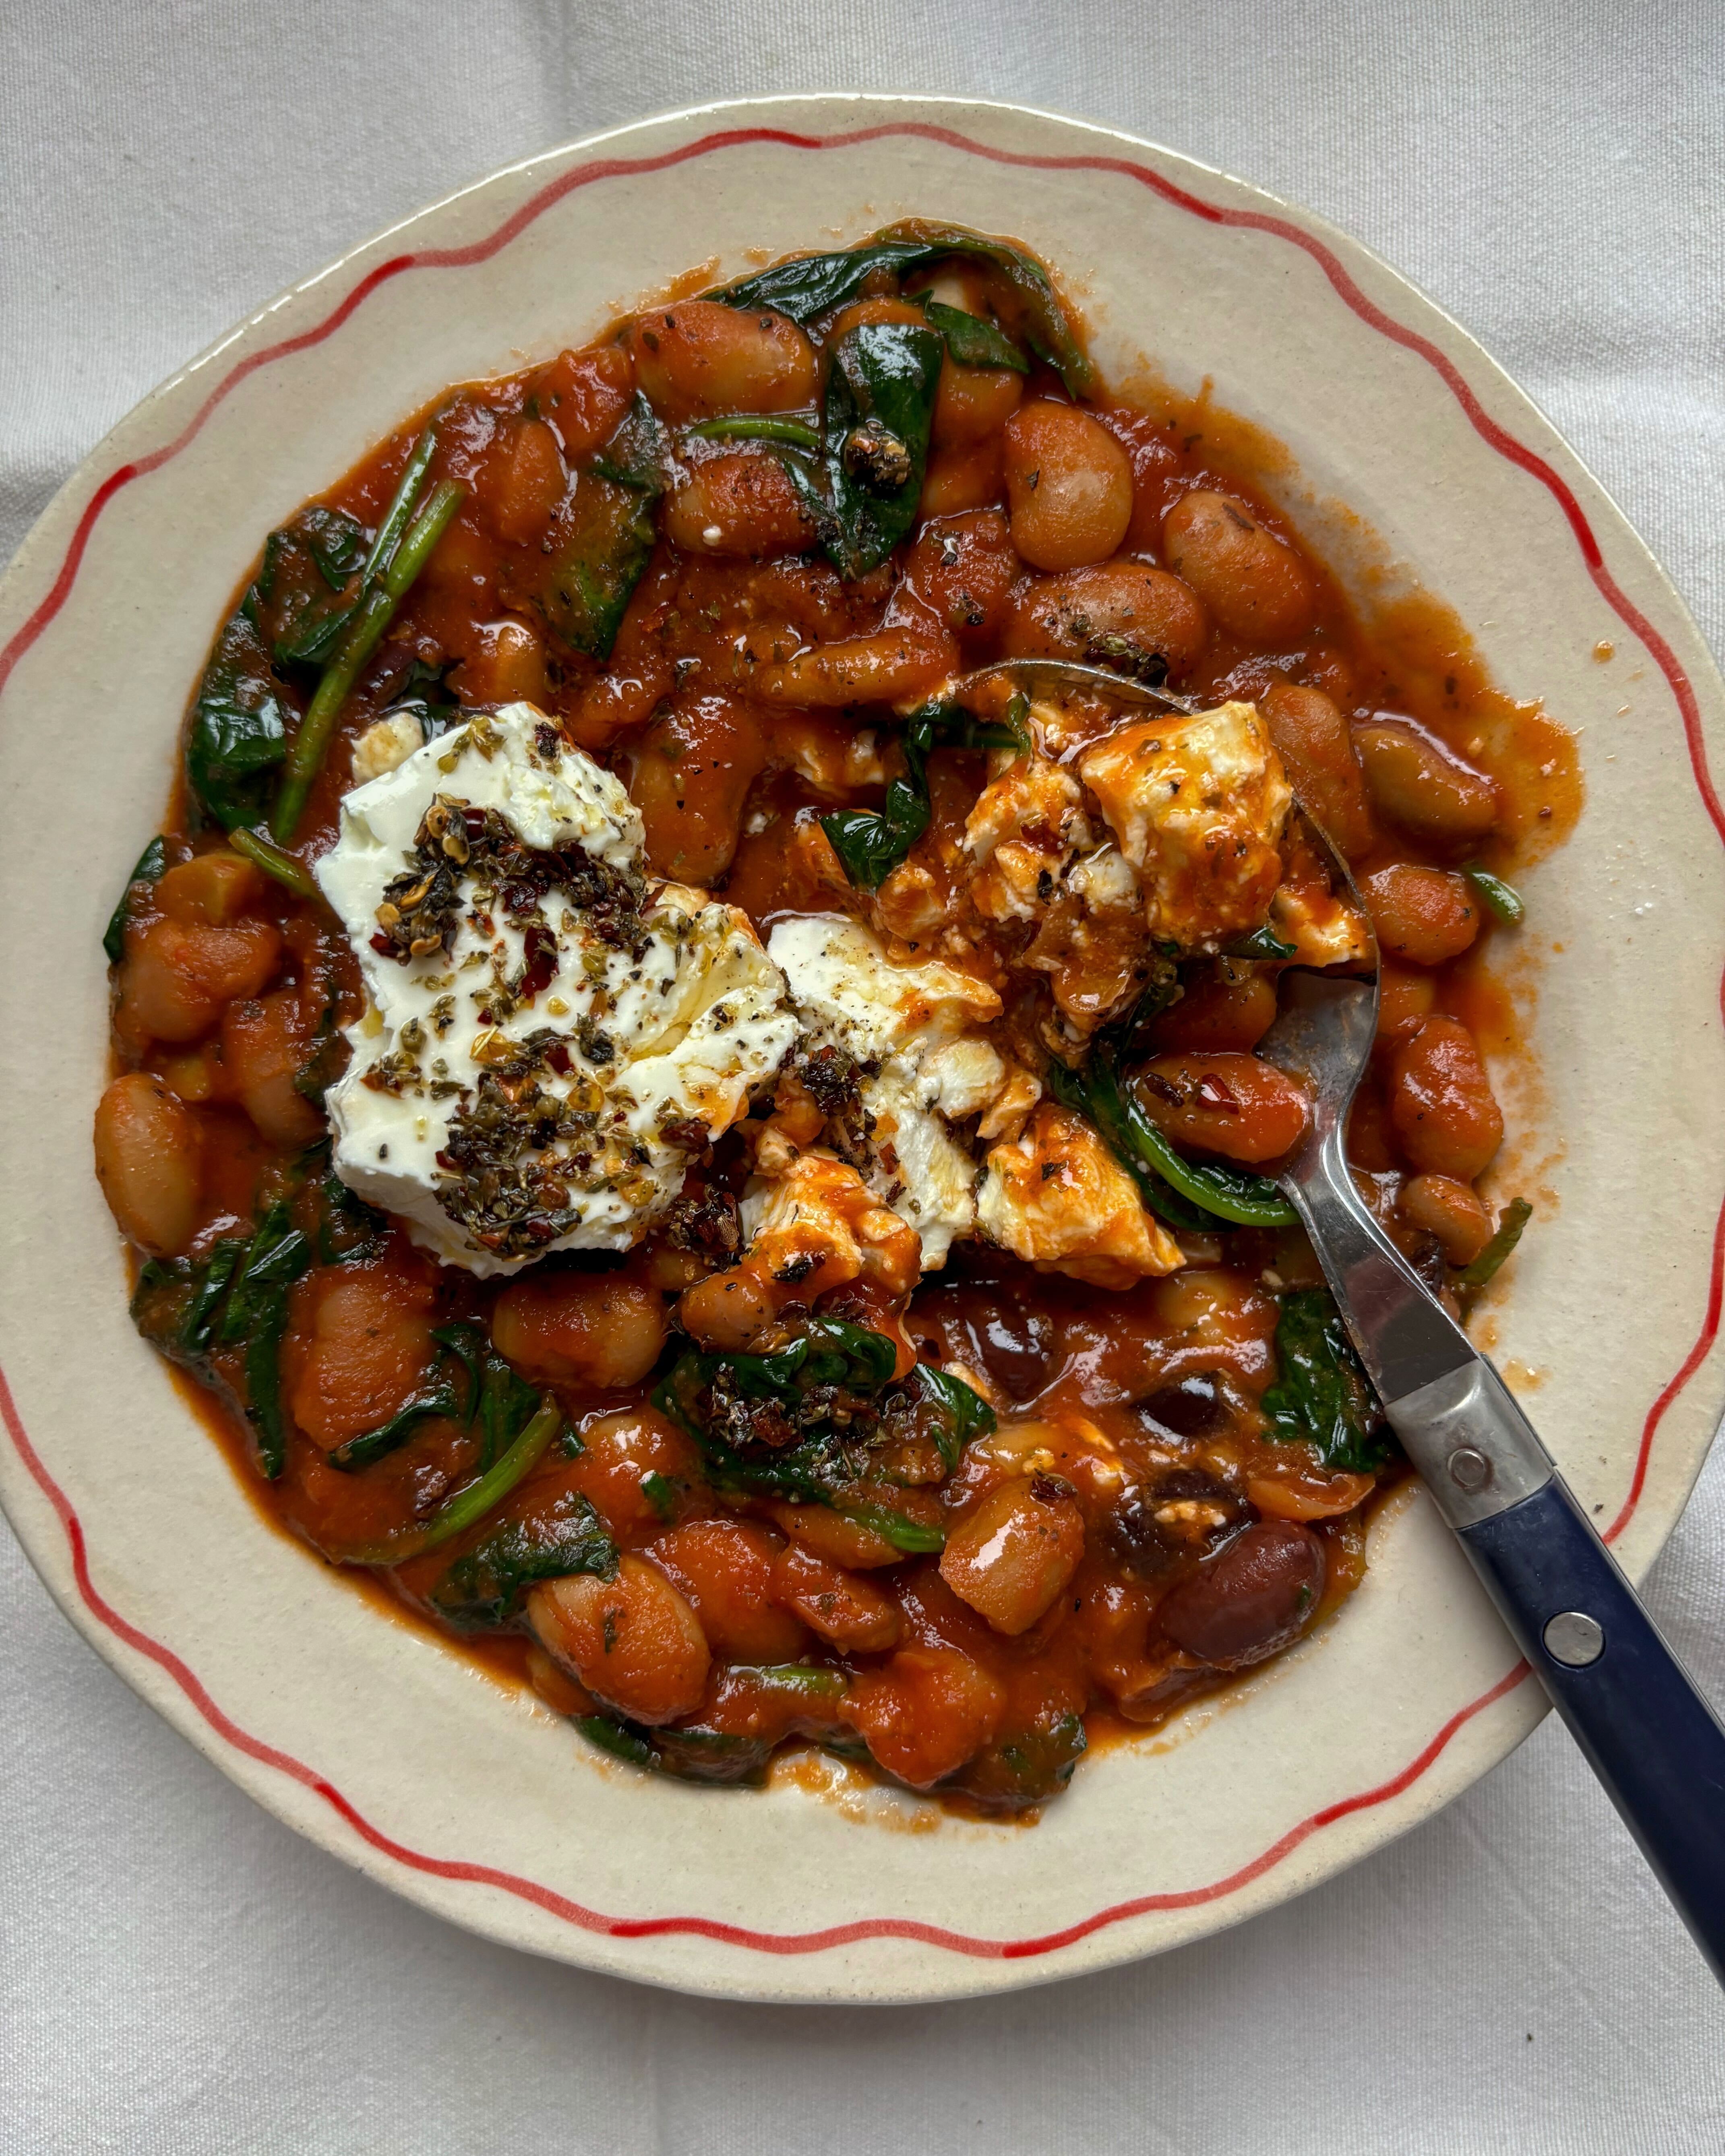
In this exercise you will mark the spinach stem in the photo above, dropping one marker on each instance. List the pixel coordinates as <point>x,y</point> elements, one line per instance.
<point>747,427</point>
<point>467,1505</point>
<point>1514,1218</point>
<point>904,1534</point>
<point>401,507</point>
<point>259,851</point>
<point>1225,1194</point>
<point>360,639</point>
<point>1502,900</point>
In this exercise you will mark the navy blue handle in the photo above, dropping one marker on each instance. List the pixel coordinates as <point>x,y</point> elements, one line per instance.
<point>1647,1733</point>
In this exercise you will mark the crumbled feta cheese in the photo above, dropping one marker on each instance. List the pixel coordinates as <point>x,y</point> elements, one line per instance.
<point>966,1075</point>
<point>905,1026</point>
<point>1104,881</point>
<point>1057,1197</point>
<point>1323,929</point>
<point>387,743</point>
<point>1023,829</point>
<point>1197,805</point>
<point>548,1039</point>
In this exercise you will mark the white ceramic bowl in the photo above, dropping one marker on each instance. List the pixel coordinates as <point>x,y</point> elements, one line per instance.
<point>365,1734</point>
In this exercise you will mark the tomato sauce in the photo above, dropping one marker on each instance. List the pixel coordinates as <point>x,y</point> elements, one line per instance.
<point>1130,1523</point>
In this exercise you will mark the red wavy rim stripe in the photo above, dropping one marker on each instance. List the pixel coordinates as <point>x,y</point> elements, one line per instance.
<point>1496,437</point>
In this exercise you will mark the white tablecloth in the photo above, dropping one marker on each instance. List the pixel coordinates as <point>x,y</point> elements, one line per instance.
<point>178,1973</point>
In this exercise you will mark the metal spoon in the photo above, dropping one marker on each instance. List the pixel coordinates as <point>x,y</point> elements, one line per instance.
<point>1646,1732</point>
<point>1067,674</point>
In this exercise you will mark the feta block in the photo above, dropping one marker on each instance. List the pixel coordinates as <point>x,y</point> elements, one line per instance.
<point>548,1039</point>
<point>908,1027</point>
<point>1057,1197</point>
<point>1197,805</point>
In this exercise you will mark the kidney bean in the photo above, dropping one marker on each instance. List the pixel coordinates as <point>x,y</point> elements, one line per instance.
<point>692,772</point>
<point>740,504</point>
<point>1091,614</point>
<point>583,395</point>
<point>854,1614</point>
<point>1229,1104</point>
<point>1424,916</point>
<point>1419,784</point>
<point>523,482</point>
<point>699,355</point>
<point>926,1712</point>
<point>1232,1007</point>
<point>989,1329</point>
<point>972,403</point>
<point>1312,739</point>
<point>177,976</point>
<point>1405,1000</point>
<point>211,890</point>
<point>1155,458</point>
<point>1149,1530</point>
<point>1291,1497</point>
<point>1192,1406</point>
<point>908,660</point>
<point>1256,1595</point>
<point>506,665</point>
<point>633,1641</point>
<point>1069,486</point>
<point>1011,1556</point>
<point>726,1569</point>
<point>963,569</point>
<point>620,1454</point>
<point>367,1349</point>
<point>1256,587</point>
<point>835,1539</point>
<point>148,1155</point>
<point>1440,1206</point>
<point>578,1328</point>
<point>968,476</point>
<point>556,1686</point>
<point>266,1042</point>
<point>1445,1117</point>
<point>879,309</point>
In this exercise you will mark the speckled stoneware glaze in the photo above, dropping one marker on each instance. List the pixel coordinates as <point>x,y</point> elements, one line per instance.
<point>392,1752</point>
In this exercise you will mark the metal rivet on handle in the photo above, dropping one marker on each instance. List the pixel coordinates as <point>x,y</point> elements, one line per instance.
<point>1574,1639</point>
<point>1469,1470</point>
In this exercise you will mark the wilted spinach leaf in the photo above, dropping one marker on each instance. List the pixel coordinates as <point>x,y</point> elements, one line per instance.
<point>1027,1765</point>
<point>239,732</point>
<point>224,1318</point>
<point>1040,318</point>
<point>1186,1193</point>
<point>609,539</point>
<point>305,595</point>
<point>879,404</point>
<point>1263,943</point>
<point>1323,1395</point>
<point>719,1756</point>
<point>971,339</point>
<point>150,863</point>
<point>872,842</point>
<point>815,284</point>
<point>484,1588</point>
<point>953,1414</point>
<point>830,1355</point>
<point>798,1423</point>
<point>490,1396</point>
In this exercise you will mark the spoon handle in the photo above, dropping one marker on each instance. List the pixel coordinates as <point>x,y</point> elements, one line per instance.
<point>1645,1730</point>
<point>1655,1743</point>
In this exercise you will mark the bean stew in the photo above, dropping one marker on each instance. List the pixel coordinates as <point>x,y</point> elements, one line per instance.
<point>720,1164</point>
